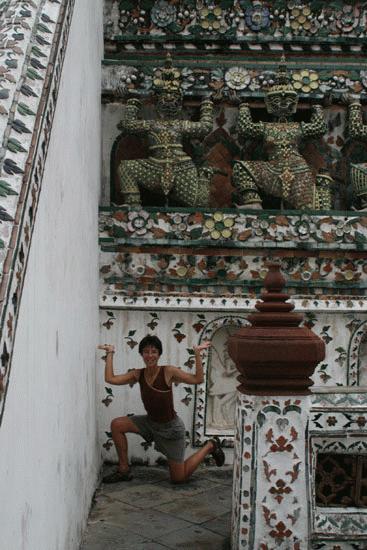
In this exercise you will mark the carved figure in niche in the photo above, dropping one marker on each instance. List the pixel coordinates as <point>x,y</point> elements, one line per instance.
<point>168,169</point>
<point>358,130</point>
<point>285,174</point>
<point>222,392</point>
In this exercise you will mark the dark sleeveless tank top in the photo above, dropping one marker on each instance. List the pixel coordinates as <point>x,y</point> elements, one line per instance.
<point>157,399</point>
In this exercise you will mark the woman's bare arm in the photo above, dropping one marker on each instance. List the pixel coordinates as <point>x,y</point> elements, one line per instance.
<point>109,376</point>
<point>178,375</point>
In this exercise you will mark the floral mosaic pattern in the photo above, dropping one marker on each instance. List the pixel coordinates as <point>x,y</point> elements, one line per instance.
<point>273,431</point>
<point>222,274</point>
<point>245,80</point>
<point>330,422</point>
<point>34,36</point>
<point>237,19</point>
<point>203,302</point>
<point>235,228</point>
<point>338,544</point>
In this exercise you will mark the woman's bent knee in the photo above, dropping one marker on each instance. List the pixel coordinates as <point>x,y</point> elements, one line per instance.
<point>123,424</point>
<point>177,472</point>
<point>177,480</point>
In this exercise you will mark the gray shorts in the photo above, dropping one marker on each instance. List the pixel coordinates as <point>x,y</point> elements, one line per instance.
<point>168,437</point>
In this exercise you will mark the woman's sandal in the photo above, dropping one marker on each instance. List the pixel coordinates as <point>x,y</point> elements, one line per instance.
<point>117,476</point>
<point>217,452</point>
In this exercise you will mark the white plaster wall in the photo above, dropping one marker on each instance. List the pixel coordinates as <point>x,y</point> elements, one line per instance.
<point>49,458</point>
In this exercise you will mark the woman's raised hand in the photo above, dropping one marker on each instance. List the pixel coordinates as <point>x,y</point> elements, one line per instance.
<point>203,345</point>
<point>108,348</point>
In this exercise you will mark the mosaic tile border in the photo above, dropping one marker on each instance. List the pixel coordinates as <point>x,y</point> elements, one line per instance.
<point>37,34</point>
<point>244,229</point>
<point>231,273</point>
<point>309,21</point>
<point>110,299</point>
<point>241,79</point>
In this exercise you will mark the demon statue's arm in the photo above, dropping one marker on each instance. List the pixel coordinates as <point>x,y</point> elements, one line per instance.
<point>246,126</point>
<point>130,122</point>
<point>205,125</point>
<point>357,129</point>
<point>317,125</point>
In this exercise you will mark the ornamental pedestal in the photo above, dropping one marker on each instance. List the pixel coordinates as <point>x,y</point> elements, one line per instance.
<point>276,358</point>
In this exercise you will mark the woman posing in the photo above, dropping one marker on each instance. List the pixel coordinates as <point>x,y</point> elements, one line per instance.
<point>161,423</point>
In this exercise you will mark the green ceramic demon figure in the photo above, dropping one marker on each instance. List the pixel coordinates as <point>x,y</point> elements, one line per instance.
<point>168,169</point>
<point>358,130</point>
<point>285,174</point>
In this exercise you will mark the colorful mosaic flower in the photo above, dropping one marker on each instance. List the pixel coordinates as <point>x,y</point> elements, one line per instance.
<point>163,13</point>
<point>343,228</point>
<point>341,82</point>
<point>257,17</point>
<point>361,421</point>
<point>303,229</point>
<point>198,79</point>
<point>124,20</point>
<point>260,227</point>
<point>348,18</point>
<point>211,20</point>
<point>188,78</point>
<point>331,421</point>
<point>139,222</point>
<point>235,16</point>
<point>266,79</point>
<point>349,275</point>
<point>305,81</point>
<point>237,78</point>
<point>306,275</point>
<point>121,79</point>
<point>159,77</point>
<point>179,222</point>
<point>220,226</point>
<point>300,18</point>
<point>136,17</point>
<point>185,15</point>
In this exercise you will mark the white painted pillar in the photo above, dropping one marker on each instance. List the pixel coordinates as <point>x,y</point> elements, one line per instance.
<point>271,504</point>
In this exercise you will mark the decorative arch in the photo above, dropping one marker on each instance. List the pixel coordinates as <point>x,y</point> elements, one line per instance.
<point>354,366</point>
<point>219,376</point>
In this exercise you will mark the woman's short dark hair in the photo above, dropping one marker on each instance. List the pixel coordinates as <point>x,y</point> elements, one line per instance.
<point>150,340</point>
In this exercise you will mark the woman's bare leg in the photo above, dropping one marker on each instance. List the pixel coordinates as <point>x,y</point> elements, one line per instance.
<point>180,472</point>
<point>119,427</point>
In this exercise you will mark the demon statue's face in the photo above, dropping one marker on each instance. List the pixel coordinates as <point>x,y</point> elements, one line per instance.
<point>282,104</point>
<point>169,104</point>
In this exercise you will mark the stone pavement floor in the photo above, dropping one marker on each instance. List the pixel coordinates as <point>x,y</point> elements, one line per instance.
<point>150,513</point>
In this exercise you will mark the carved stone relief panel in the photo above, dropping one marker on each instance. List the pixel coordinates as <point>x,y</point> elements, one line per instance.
<point>221,383</point>
<point>215,399</point>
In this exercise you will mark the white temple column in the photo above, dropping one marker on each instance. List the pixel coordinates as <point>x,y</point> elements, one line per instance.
<point>270,507</point>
